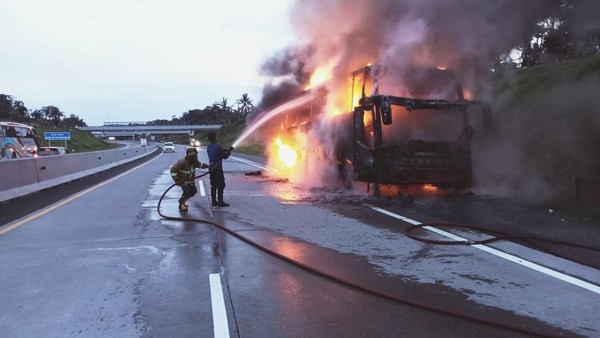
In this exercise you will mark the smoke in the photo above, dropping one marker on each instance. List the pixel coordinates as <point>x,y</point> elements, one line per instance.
<point>544,145</point>
<point>287,73</point>
<point>466,36</point>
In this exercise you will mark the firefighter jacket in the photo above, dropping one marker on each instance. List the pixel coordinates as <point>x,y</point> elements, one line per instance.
<point>184,170</point>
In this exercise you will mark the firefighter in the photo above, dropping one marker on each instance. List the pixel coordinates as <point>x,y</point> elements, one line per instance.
<point>216,155</point>
<point>183,173</point>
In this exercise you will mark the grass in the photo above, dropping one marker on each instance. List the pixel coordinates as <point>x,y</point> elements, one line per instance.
<point>81,141</point>
<point>535,81</point>
<point>546,124</point>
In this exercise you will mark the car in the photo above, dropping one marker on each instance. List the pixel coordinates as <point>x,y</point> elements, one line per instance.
<point>168,147</point>
<point>48,151</point>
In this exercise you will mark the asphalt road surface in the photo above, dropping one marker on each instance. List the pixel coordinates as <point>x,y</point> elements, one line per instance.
<point>104,263</point>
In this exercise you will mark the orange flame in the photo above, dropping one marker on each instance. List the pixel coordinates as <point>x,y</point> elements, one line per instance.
<point>287,155</point>
<point>319,76</point>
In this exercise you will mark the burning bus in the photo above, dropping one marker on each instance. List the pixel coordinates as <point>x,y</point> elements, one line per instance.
<point>421,135</point>
<point>414,140</point>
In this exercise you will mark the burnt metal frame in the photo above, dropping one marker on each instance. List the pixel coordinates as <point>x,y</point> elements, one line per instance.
<point>373,104</point>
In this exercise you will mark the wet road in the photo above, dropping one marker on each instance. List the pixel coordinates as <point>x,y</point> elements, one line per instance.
<point>104,264</point>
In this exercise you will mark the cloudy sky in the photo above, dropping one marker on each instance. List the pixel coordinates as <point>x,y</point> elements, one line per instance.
<point>136,60</point>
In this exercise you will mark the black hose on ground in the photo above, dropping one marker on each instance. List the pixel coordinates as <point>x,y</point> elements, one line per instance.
<point>349,284</point>
<point>495,236</point>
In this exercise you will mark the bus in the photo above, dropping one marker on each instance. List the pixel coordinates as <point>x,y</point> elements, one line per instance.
<point>18,140</point>
<point>430,139</point>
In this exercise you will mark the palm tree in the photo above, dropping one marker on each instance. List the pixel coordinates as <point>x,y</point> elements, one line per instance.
<point>245,105</point>
<point>225,109</point>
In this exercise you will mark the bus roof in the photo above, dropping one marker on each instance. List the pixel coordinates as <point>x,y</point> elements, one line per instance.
<point>14,124</point>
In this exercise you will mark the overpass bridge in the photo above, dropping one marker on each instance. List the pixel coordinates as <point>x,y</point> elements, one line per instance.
<point>140,129</point>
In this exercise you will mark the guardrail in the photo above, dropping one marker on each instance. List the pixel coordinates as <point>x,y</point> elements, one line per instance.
<point>20,177</point>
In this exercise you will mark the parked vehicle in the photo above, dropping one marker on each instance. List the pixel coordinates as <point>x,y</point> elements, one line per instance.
<point>48,151</point>
<point>168,147</point>
<point>18,140</point>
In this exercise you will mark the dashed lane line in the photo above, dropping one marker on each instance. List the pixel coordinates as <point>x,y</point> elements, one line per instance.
<point>202,190</point>
<point>220,324</point>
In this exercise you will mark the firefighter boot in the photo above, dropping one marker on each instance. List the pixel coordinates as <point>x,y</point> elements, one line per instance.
<point>182,205</point>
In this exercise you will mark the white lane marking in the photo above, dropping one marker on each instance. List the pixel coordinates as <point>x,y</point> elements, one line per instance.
<point>566,278</point>
<point>221,327</point>
<point>258,165</point>
<point>202,191</point>
<point>58,204</point>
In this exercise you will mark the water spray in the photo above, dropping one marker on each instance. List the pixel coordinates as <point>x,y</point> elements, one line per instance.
<point>284,107</point>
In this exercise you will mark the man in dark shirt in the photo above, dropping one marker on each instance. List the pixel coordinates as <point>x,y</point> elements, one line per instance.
<point>216,155</point>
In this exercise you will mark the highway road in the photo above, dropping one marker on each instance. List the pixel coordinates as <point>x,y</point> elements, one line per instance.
<point>103,263</point>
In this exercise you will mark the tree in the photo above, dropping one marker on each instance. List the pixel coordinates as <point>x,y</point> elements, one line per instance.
<point>224,110</point>
<point>52,113</point>
<point>11,109</point>
<point>37,115</point>
<point>73,121</point>
<point>570,29</point>
<point>5,107</point>
<point>245,105</point>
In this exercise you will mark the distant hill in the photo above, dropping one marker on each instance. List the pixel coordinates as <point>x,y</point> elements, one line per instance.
<point>544,147</point>
<point>81,141</point>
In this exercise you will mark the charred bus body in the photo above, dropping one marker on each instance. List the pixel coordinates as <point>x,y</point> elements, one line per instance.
<point>420,136</point>
<point>401,140</point>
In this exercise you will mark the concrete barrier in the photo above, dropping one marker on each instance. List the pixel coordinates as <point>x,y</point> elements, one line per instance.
<point>21,177</point>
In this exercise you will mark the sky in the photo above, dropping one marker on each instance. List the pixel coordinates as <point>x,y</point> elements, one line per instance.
<point>137,60</point>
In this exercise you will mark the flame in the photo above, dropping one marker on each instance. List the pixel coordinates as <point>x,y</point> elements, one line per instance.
<point>441,67</point>
<point>287,155</point>
<point>319,76</point>
<point>468,93</point>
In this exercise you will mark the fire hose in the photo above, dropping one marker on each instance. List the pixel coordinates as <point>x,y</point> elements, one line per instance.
<point>363,288</point>
<point>502,236</point>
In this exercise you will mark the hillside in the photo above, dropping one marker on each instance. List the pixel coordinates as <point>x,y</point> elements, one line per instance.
<point>544,146</point>
<point>81,141</point>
